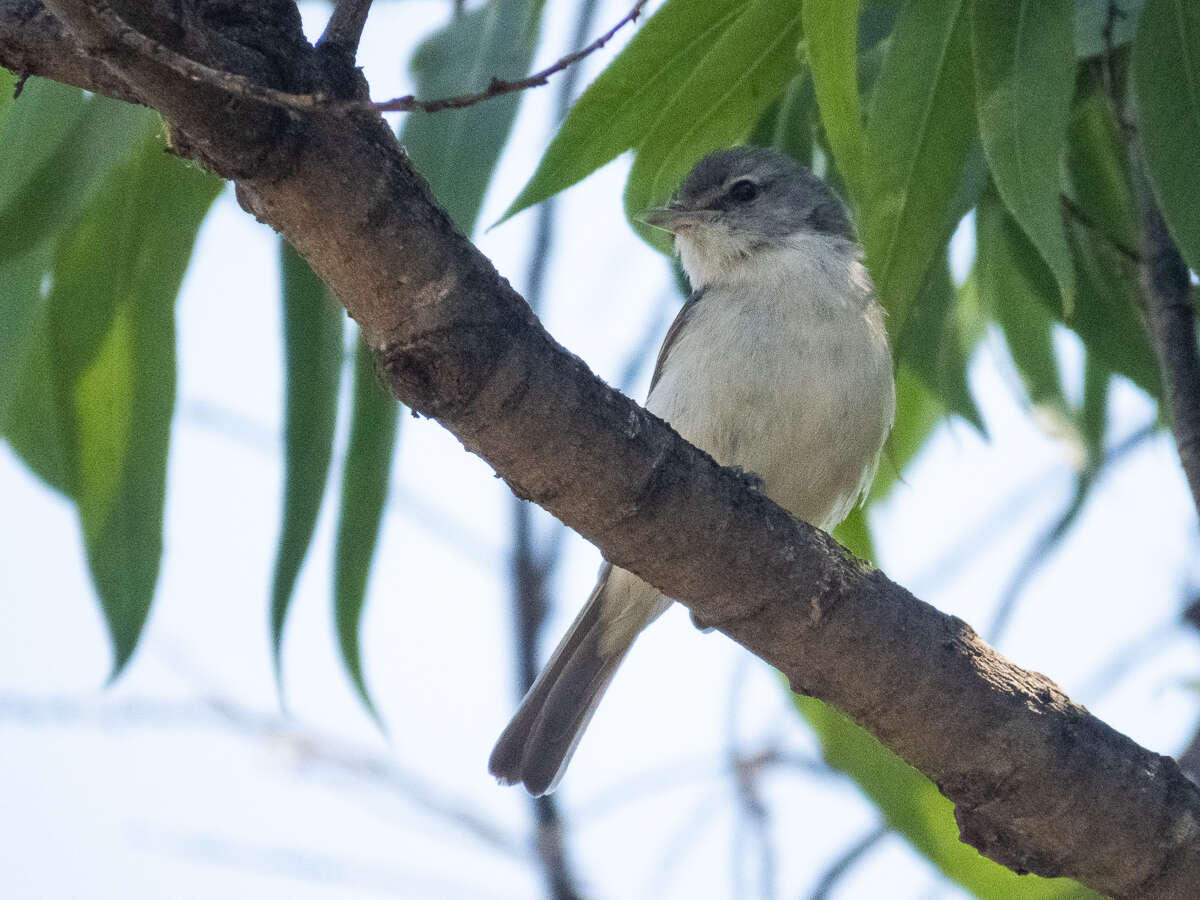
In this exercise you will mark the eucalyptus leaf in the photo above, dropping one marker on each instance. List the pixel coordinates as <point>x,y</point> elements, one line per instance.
<point>1018,291</point>
<point>312,337</point>
<point>22,312</point>
<point>919,137</point>
<point>1024,78</point>
<point>456,150</point>
<point>794,123</point>
<point>37,200</point>
<point>1092,18</point>
<point>94,414</point>
<point>365,475</point>
<point>725,93</point>
<point>615,112</point>
<point>931,345</point>
<point>1166,73</point>
<point>831,41</point>
<point>913,807</point>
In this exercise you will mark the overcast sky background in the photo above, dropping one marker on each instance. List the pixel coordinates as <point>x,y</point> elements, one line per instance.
<point>144,791</point>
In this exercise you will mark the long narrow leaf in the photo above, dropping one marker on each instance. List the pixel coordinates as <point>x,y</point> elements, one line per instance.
<point>914,808</point>
<point>614,113</point>
<point>1024,78</point>
<point>22,312</point>
<point>932,346</point>
<point>1018,291</point>
<point>831,38</point>
<point>456,150</point>
<point>100,136</point>
<point>728,89</point>
<point>1166,71</point>
<point>365,478</point>
<point>95,416</point>
<point>918,140</point>
<point>312,327</point>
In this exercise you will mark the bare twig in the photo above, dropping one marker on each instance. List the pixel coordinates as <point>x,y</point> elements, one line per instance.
<point>310,748</point>
<point>459,345</point>
<point>123,34</point>
<point>1045,545</point>
<point>345,26</point>
<point>531,569</point>
<point>498,86</point>
<point>844,863</point>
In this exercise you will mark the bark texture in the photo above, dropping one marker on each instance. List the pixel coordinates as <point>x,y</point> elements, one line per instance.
<point>1039,784</point>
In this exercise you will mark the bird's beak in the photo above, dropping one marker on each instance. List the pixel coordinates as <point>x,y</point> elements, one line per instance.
<point>673,217</point>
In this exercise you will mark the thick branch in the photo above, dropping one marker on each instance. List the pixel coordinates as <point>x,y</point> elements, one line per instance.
<point>1039,784</point>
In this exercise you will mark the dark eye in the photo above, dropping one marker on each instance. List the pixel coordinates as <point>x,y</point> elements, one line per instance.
<point>743,191</point>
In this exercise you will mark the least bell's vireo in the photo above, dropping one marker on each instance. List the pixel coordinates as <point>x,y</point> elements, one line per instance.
<point>778,363</point>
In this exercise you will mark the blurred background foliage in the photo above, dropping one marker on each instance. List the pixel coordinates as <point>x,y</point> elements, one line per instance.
<point>1025,119</point>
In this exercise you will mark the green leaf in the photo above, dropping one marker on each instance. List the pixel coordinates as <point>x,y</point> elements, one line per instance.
<point>931,345</point>
<point>95,416</point>
<point>831,39</point>
<point>312,337</point>
<point>94,136</point>
<point>1093,414</point>
<point>919,138</point>
<point>456,150</point>
<point>32,128</point>
<point>918,413</point>
<point>1024,78</point>
<point>616,111</point>
<point>22,312</point>
<point>365,477</point>
<point>725,93</point>
<point>1091,17</point>
<point>1018,292</point>
<point>794,123</point>
<point>1166,73</point>
<point>854,533</point>
<point>1098,166</point>
<point>914,808</point>
<point>1106,316</point>
<point>8,83</point>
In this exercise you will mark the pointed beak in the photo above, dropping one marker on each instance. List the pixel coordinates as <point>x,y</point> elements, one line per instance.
<point>673,217</point>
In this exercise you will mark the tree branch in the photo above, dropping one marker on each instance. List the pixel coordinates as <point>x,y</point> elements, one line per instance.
<point>1173,333</point>
<point>345,27</point>
<point>107,27</point>
<point>1039,783</point>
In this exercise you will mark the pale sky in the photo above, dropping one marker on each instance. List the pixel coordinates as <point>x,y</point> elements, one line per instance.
<point>148,790</point>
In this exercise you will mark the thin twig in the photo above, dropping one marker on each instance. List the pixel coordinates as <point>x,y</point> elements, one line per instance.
<point>311,749</point>
<point>124,34</point>
<point>1044,546</point>
<point>844,863</point>
<point>345,27</point>
<point>531,569</point>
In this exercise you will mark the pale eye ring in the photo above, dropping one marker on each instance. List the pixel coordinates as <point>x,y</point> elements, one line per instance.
<point>743,191</point>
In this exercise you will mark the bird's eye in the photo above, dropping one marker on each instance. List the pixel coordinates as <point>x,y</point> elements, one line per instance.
<point>743,191</point>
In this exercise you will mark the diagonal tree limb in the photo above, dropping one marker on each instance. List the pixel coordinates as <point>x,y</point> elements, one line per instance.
<point>1039,784</point>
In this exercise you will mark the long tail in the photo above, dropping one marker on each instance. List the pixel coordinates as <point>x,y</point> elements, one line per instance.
<point>538,743</point>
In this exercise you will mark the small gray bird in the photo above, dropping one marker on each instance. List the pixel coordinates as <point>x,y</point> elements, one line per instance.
<point>777,363</point>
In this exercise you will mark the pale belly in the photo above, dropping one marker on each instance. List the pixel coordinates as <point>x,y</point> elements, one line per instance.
<point>804,405</point>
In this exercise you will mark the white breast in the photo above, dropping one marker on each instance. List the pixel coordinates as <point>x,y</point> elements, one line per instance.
<point>783,369</point>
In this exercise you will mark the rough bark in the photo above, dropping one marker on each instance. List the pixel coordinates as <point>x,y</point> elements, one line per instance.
<point>1039,784</point>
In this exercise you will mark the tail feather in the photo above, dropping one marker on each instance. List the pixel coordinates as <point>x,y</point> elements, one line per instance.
<point>538,743</point>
